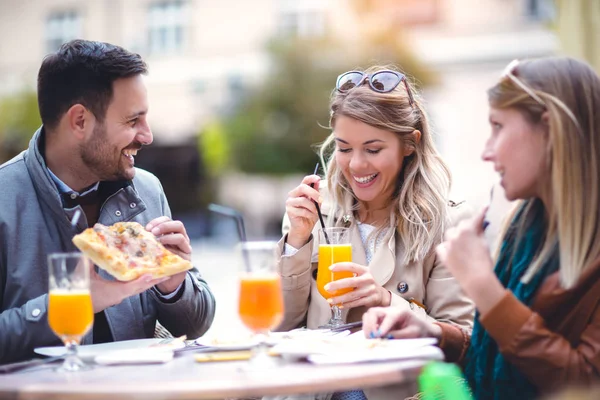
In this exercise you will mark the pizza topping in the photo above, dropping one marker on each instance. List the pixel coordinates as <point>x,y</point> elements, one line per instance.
<point>127,250</point>
<point>133,240</point>
<point>99,233</point>
<point>132,231</point>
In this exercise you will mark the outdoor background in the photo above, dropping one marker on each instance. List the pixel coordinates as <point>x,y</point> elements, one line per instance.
<point>239,89</point>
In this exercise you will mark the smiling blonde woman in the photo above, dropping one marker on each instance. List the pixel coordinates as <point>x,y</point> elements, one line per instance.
<point>387,183</point>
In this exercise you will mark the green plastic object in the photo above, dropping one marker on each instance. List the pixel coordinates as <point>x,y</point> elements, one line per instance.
<point>443,381</point>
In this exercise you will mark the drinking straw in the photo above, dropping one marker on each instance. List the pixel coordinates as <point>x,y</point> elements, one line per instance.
<point>486,222</point>
<point>312,185</point>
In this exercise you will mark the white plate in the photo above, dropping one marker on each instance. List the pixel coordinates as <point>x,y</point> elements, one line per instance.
<point>228,344</point>
<point>247,342</point>
<point>301,334</point>
<point>147,355</point>
<point>91,351</point>
<point>419,353</point>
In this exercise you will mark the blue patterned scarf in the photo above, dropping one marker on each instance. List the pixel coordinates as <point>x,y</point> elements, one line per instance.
<point>489,374</point>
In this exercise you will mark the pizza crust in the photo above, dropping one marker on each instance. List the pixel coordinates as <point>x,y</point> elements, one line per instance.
<point>124,266</point>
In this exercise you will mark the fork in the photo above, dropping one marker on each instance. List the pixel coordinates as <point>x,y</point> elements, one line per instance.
<point>171,340</point>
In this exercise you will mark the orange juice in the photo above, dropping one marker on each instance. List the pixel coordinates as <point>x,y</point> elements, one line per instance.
<point>330,254</point>
<point>70,312</point>
<point>261,301</point>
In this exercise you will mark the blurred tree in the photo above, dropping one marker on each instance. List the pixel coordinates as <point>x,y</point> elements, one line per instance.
<point>19,118</point>
<point>276,125</point>
<point>214,148</point>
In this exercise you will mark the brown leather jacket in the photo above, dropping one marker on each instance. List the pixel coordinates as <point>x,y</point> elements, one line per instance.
<point>554,343</point>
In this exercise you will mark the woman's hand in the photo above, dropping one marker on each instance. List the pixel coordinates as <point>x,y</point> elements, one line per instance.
<point>301,210</point>
<point>366,291</point>
<point>466,255</point>
<point>397,323</point>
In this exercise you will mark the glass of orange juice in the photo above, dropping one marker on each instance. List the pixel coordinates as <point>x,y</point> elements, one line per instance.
<point>70,311</point>
<point>334,247</point>
<point>260,299</point>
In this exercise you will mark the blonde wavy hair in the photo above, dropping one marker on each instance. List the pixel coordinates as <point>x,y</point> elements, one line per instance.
<point>570,92</point>
<point>424,182</point>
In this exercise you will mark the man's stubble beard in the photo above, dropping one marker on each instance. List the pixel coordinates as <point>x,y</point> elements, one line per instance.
<point>99,157</point>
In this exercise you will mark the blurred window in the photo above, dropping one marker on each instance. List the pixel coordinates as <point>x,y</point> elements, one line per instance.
<point>302,18</point>
<point>60,28</point>
<point>235,83</point>
<point>166,23</point>
<point>237,93</point>
<point>540,10</point>
<point>199,86</point>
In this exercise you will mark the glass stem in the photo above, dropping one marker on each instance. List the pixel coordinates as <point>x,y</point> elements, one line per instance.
<point>72,362</point>
<point>337,314</point>
<point>260,349</point>
<point>260,352</point>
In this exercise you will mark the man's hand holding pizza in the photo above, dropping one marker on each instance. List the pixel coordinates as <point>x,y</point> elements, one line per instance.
<point>157,255</point>
<point>109,293</point>
<point>173,236</point>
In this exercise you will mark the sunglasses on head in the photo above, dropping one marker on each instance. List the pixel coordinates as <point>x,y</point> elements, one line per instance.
<point>511,73</point>
<point>381,81</point>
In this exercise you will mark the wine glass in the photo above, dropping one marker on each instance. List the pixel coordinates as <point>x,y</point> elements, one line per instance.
<point>334,247</point>
<point>260,300</point>
<point>70,310</point>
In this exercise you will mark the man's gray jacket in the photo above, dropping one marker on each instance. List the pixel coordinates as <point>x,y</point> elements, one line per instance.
<point>33,224</point>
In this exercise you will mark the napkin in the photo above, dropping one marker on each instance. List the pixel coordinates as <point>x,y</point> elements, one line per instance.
<point>356,348</point>
<point>156,355</point>
<point>422,353</point>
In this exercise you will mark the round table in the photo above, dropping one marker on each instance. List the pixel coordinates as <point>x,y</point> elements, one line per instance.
<point>184,378</point>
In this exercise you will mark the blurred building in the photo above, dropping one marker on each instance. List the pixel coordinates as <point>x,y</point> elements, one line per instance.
<point>201,54</point>
<point>204,54</point>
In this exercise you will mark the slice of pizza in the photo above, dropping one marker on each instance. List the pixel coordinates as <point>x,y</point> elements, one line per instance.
<point>126,250</point>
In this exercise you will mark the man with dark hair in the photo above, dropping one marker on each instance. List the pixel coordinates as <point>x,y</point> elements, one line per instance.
<point>93,104</point>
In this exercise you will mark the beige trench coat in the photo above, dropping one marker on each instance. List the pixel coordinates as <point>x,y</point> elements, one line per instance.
<point>427,281</point>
